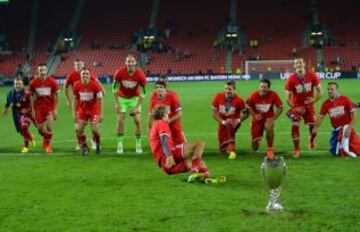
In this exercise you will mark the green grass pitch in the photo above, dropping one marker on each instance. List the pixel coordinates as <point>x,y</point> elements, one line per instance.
<point>108,192</point>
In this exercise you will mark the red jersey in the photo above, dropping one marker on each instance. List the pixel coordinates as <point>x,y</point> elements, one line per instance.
<point>171,101</point>
<point>44,91</point>
<point>129,85</point>
<point>339,110</point>
<point>264,105</point>
<point>159,127</point>
<point>228,107</point>
<point>74,76</point>
<point>87,97</point>
<point>302,88</point>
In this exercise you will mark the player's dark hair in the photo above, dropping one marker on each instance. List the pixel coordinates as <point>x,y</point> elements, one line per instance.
<point>160,82</point>
<point>130,55</point>
<point>78,60</point>
<point>41,64</point>
<point>18,79</point>
<point>232,83</point>
<point>334,83</point>
<point>159,112</point>
<point>85,69</point>
<point>267,81</point>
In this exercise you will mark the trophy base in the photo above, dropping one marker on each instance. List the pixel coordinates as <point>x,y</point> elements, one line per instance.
<point>274,207</point>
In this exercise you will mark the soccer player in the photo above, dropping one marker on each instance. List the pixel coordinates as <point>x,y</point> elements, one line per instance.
<point>71,79</point>
<point>229,111</point>
<point>126,88</point>
<point>176,158</point>
<point>261,107</point>
<point>19,99</point>
<point>168,98</point>
<point>344,140</point>
<point>44,91</point>
<point>87,96</point>
<point>300,97</point>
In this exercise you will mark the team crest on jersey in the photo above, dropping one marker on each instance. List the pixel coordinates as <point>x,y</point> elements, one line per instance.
<point>43,91</point>
<point>307,87</point>
<point>299,88</point>
<point>262,108</point>
<point>336,111</point>
<point>226,110</point>
<point>86,96</point>
<point>129,84</point>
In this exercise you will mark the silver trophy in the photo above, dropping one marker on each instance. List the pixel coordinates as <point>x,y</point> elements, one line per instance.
<point>274,174</point>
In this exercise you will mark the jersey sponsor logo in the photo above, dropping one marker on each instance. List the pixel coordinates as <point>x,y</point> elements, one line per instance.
<point>262,108</point>
<point>303,88</point>
<point>226,110</point>
<point>43,91</point>
<point>86,96</point>
<point>337,111</point>
<point>129,84</point>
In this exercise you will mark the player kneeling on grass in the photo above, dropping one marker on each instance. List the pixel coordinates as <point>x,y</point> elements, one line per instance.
<point>19,99</point>
<point>344,140</point>
<point>87,95</point>
<point>229,111</point>
<point>174,159</point>
<point>261,107</point>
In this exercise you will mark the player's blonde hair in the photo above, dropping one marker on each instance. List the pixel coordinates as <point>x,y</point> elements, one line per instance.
<point>159,112</point>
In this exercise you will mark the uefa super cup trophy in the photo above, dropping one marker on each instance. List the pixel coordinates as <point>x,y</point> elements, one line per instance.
<point>274,174</point>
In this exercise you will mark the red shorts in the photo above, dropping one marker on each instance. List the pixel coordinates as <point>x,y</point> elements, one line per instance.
<point>257,130</point>
<point>177,135</point>
<point>83,118</point>
<point>226,135</point>
<point>354,143</point>
<point>308,116</point>
<point>42,115</point>
<point>180,162</point>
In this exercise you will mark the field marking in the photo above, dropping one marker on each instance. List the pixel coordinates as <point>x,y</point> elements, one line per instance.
<point>145,136</point>
<point>132,154</point>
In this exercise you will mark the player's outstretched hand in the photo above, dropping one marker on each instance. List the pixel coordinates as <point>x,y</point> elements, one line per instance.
<point>68,103</point>
<point>300,110</point>
<point>269,123</point>
<point>348,132</point>
<point>169,162</point>
<point>257,117</point>
<point>118,109</point>
<point>314,130</point>
<point>55,114</point>
<point>309,100</point>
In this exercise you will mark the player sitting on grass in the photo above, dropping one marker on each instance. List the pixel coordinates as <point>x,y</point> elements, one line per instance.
<point>176,158</point>
<point>19,99</point>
